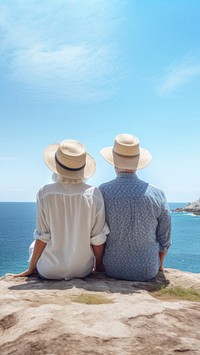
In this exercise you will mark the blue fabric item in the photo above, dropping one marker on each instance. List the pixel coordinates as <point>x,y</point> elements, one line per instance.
<point>139,219</point>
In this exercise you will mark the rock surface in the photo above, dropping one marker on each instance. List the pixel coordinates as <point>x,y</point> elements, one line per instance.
<point>42,317</point>
<point>193,207</point>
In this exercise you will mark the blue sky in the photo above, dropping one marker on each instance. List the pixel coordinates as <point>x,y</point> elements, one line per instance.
<point>91,69</point>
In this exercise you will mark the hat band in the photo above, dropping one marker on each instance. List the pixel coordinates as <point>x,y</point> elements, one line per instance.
<point>126,156</point>
<point>66,167</point>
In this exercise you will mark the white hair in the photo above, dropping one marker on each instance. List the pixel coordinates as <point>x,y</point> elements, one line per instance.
<point>65,180</point>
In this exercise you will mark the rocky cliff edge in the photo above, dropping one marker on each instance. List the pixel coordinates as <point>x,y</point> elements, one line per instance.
<point>193,207</point>
<point>43,317</point>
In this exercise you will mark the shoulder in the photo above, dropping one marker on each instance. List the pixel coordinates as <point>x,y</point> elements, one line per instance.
<point>92,191</point>
<point>106,185</point>
<point>152,190</point>
<point>46,189</point>
<point>156,189</point>
<point>157,193</point>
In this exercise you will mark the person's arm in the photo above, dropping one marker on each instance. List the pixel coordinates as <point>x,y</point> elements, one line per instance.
<point>98,253</point>
<point>99,231</point>
<point>41,235</point>
<point>37,251</point>
<point>162,255</point>
<point>164,232</point>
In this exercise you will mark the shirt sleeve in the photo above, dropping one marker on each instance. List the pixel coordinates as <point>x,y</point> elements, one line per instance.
<point>42,232</point>
<point>100,228</point>
<point>163,232</point>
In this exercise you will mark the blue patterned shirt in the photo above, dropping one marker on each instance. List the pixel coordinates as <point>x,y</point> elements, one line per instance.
<point>139,219</point>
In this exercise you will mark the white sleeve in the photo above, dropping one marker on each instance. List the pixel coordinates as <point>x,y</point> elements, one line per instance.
<point>100,238</point>
<point>42,231</point>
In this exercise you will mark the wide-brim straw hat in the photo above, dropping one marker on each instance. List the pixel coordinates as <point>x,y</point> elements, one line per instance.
<point>126,153</point>
<point>70,159</point>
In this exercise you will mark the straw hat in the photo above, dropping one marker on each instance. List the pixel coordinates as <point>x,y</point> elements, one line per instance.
<point>126,153</point>
<point>70,159</point>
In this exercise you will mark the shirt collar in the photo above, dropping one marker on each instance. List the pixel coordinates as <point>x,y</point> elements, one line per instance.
<point>127,176</point>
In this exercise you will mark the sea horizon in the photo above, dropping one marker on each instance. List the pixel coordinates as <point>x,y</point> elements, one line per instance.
<point>18,222</point>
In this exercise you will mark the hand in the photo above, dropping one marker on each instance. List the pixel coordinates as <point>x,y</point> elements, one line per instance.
<point>28,272</point>
<point>161,268</point>
<point>100,268</point>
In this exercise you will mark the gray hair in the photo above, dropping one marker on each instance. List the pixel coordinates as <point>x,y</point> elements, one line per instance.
<point>65,180</point>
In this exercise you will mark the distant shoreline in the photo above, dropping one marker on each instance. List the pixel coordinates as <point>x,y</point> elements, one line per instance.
<point>193,207</point>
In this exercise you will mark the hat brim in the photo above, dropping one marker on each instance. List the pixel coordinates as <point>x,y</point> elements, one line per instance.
<point>85,173</point>
<point>124,162</point>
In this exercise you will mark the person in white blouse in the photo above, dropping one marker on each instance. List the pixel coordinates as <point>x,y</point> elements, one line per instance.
<point>71,230</point>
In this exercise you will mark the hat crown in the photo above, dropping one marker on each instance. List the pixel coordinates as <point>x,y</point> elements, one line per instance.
<point>126,145</point>
<point>71,154</point>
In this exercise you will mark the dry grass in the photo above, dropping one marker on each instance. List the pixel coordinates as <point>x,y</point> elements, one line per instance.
<point>177,293</point>
<point>92,299</point>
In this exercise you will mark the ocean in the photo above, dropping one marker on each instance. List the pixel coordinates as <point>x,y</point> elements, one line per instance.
<point>17,223</point>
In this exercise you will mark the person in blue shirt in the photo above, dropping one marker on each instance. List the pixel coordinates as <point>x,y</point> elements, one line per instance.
<point>137,214</point>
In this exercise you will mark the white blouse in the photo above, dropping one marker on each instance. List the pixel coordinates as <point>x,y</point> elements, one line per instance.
<point>70,218</point>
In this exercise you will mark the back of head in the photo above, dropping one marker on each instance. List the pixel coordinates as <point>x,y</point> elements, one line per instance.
<point>70,160</point>
<point>126,153</point>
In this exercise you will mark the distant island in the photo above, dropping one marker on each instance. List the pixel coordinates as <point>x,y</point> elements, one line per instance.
<point>192,207</point>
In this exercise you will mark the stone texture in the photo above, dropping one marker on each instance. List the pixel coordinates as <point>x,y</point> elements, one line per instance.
<point>193,207</point>
<point>41,317</point>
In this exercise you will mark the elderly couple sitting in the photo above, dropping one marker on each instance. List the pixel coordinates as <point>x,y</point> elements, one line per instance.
<point>121,228</point>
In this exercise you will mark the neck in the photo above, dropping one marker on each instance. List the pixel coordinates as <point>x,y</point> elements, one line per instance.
<point>120,171</point>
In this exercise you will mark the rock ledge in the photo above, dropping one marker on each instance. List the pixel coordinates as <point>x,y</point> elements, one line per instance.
<point>40,317</point>
<point>193,207</point>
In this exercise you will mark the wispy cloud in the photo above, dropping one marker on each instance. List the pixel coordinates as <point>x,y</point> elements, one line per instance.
<point>62,48</point>
<point>177,75</point>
